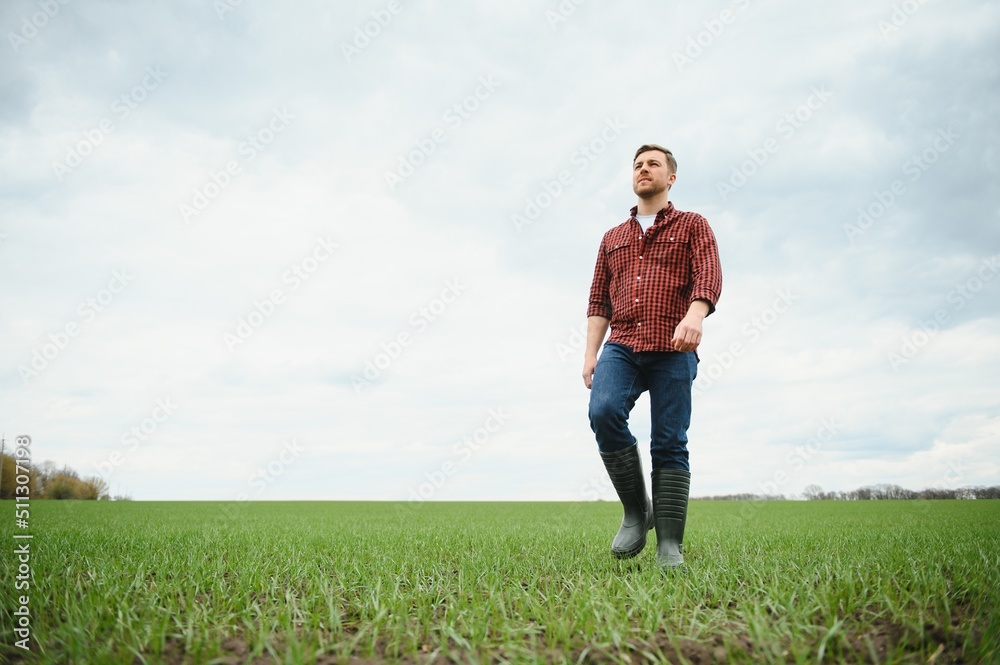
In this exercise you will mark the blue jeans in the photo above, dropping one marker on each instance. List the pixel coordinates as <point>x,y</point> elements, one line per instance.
<point>620,377</point>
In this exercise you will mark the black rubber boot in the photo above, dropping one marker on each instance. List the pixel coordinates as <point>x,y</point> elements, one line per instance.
<point>671,488</point>
<point>625,470</point>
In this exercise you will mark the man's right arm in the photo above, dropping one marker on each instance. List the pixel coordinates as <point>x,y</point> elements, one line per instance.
<point>597,328</point>
<point>598,314</point>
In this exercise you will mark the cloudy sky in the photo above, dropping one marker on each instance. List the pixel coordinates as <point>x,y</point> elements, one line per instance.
<point>343,250</point>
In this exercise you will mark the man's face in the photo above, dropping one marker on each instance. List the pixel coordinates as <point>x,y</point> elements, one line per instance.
<point>650,174</point>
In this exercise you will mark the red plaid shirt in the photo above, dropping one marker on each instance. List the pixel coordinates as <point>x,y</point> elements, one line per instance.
<point>644,283</point>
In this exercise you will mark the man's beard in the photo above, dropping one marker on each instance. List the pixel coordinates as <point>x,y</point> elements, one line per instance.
<point>650,192</point>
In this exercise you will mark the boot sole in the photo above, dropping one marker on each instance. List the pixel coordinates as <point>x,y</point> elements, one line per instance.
<point>637,550</point>
<point>629,554</point>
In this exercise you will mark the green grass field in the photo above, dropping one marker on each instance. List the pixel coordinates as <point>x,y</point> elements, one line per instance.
<point>784,582</point>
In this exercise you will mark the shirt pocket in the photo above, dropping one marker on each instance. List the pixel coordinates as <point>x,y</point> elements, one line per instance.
<point>619,255</point>
<point>671,253</point>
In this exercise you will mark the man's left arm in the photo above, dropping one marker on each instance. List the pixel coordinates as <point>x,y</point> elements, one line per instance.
<point>706,285</point>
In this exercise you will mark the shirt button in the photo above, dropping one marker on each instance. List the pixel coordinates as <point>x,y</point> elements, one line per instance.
<point>638,276</point>
<point>640,258</point>
<point>637,300</point>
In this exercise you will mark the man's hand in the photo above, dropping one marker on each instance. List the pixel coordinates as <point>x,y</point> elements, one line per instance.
<point>589,363</point>
<point>687,334</point>
<point>597,328</point>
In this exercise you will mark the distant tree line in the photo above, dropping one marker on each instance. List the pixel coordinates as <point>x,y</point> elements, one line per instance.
<point>743,496</point>
<point>47,481</point>
<point>880,492</point>
<point>883,492</point>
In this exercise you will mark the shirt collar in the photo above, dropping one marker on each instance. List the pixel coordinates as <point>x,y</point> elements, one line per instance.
<point>660,216</point>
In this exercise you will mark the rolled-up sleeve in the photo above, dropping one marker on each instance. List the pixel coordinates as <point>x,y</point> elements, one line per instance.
<point>706,269</point>
<point>600,288</point>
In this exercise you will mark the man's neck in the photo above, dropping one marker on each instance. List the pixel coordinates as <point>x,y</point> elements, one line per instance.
<point>653,205</point>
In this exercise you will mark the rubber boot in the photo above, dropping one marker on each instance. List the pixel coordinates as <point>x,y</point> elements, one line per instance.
<point>671,488</point>
<point>625,470</point>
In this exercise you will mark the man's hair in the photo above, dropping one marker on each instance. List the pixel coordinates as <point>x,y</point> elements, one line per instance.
<point>671,162</point>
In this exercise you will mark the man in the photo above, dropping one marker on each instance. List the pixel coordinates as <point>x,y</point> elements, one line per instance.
<point>657,277</point>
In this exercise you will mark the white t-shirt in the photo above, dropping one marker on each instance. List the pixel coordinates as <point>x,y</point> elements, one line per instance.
<point>645,221</point>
